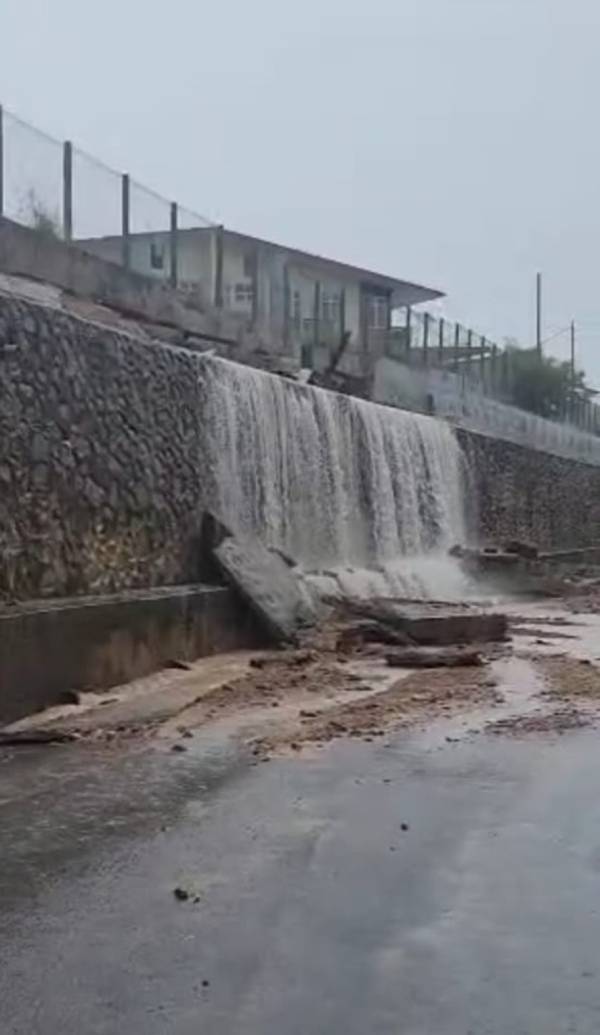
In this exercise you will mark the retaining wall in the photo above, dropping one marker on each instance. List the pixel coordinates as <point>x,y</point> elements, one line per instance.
<point>523,493</point>
<point>49,647</point>
<point>104,474</point>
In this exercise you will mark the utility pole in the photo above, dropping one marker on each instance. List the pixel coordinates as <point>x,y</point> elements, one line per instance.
<point>572,353</point>
<point>538,314</point>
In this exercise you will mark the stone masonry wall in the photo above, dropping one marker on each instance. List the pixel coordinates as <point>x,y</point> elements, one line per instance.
<point>102,479</point>
<point>104,474</point>
<point>527,494</point>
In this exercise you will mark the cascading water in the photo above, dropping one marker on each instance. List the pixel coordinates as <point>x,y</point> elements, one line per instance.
<point>335,482</point>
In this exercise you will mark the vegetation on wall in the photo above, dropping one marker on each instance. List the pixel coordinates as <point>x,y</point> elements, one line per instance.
<point>542,384</point>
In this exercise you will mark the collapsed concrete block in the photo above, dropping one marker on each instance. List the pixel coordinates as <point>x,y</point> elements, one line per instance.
<point>269,586</point>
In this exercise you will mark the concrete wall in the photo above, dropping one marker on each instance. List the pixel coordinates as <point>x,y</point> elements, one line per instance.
<point>98,642</point>
<point>25,252</point>
<point>456,398</point>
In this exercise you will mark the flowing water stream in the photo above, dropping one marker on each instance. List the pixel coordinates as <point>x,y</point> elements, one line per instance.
<point>335,482</point>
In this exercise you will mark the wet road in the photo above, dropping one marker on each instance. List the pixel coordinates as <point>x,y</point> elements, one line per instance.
<point>317,912</point>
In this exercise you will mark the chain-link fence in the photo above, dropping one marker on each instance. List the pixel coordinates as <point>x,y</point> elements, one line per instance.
<point>32,177</point>
<point>477,364</point>
<point>58,190</point>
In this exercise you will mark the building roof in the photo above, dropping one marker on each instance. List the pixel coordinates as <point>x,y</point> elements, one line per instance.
<point>405,292</point>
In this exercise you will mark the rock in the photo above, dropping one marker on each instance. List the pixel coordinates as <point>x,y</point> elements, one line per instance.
<point>404,827</point>
<point>70,697</point>
<point>14,738</point>
<point>179,748</point>
<point>268,586</point>
<point>181,894</point>
<point>452,657</point>
<point>175,663</point>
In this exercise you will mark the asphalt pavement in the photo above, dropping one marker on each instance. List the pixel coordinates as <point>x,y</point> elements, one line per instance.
<point>405,886</point>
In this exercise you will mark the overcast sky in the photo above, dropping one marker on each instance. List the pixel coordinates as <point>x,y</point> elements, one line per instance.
<point>452,142</point>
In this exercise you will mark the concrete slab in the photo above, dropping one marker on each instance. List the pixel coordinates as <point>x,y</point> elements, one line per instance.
<point>269,586</point>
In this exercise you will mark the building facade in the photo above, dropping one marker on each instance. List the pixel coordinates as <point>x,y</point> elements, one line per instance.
<point>305,307</point>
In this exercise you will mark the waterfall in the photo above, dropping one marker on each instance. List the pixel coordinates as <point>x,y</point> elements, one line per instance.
<point>334,481</point>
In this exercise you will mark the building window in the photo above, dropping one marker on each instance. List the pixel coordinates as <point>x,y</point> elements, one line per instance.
<point>330,308</point>
<point>377,312</point>
<point>240,295</point>
<point>157,256</point>
<point>244,293</point>
<point>296,310</point>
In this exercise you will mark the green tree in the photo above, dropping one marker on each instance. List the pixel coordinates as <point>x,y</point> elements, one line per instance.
<point>541,384</point>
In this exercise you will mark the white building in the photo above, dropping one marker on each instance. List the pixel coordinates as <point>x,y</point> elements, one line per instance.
<point>299,305</point>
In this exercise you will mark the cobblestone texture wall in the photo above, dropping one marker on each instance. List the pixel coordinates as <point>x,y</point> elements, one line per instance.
<point>526,494</point>
<point>102,479</point>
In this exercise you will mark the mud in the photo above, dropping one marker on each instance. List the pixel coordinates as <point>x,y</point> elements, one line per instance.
<point>568,678</point>
<point>421,694</point>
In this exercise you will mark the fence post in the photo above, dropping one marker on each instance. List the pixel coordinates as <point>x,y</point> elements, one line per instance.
<point>218,285</point>
<point>408,331</point>
<point>456,345</point>
<point>173,245</point>
<point>343,313</point>
<point>286,306</point>
<point>482,346</point>
<point>469,347</point>
<point>125,242</point>
<point>1,161</point>
<point>316,314</point>
<point>441,340</point>
<point>68,190</point>
<point>426,319</point>
<point>493,371</point>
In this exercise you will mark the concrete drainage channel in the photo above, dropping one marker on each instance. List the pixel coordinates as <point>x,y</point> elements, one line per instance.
<point>49,648</point>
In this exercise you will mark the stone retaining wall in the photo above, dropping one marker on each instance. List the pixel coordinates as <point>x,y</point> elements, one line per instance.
<point>522,493</point>
<point>102,472</point>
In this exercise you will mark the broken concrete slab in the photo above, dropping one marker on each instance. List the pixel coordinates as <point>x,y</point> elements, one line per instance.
<point>269,587</point>
<point>389,621</point>
<point>439,630</point>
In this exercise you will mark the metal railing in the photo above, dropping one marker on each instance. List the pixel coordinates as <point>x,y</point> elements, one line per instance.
<point>480,364</point>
